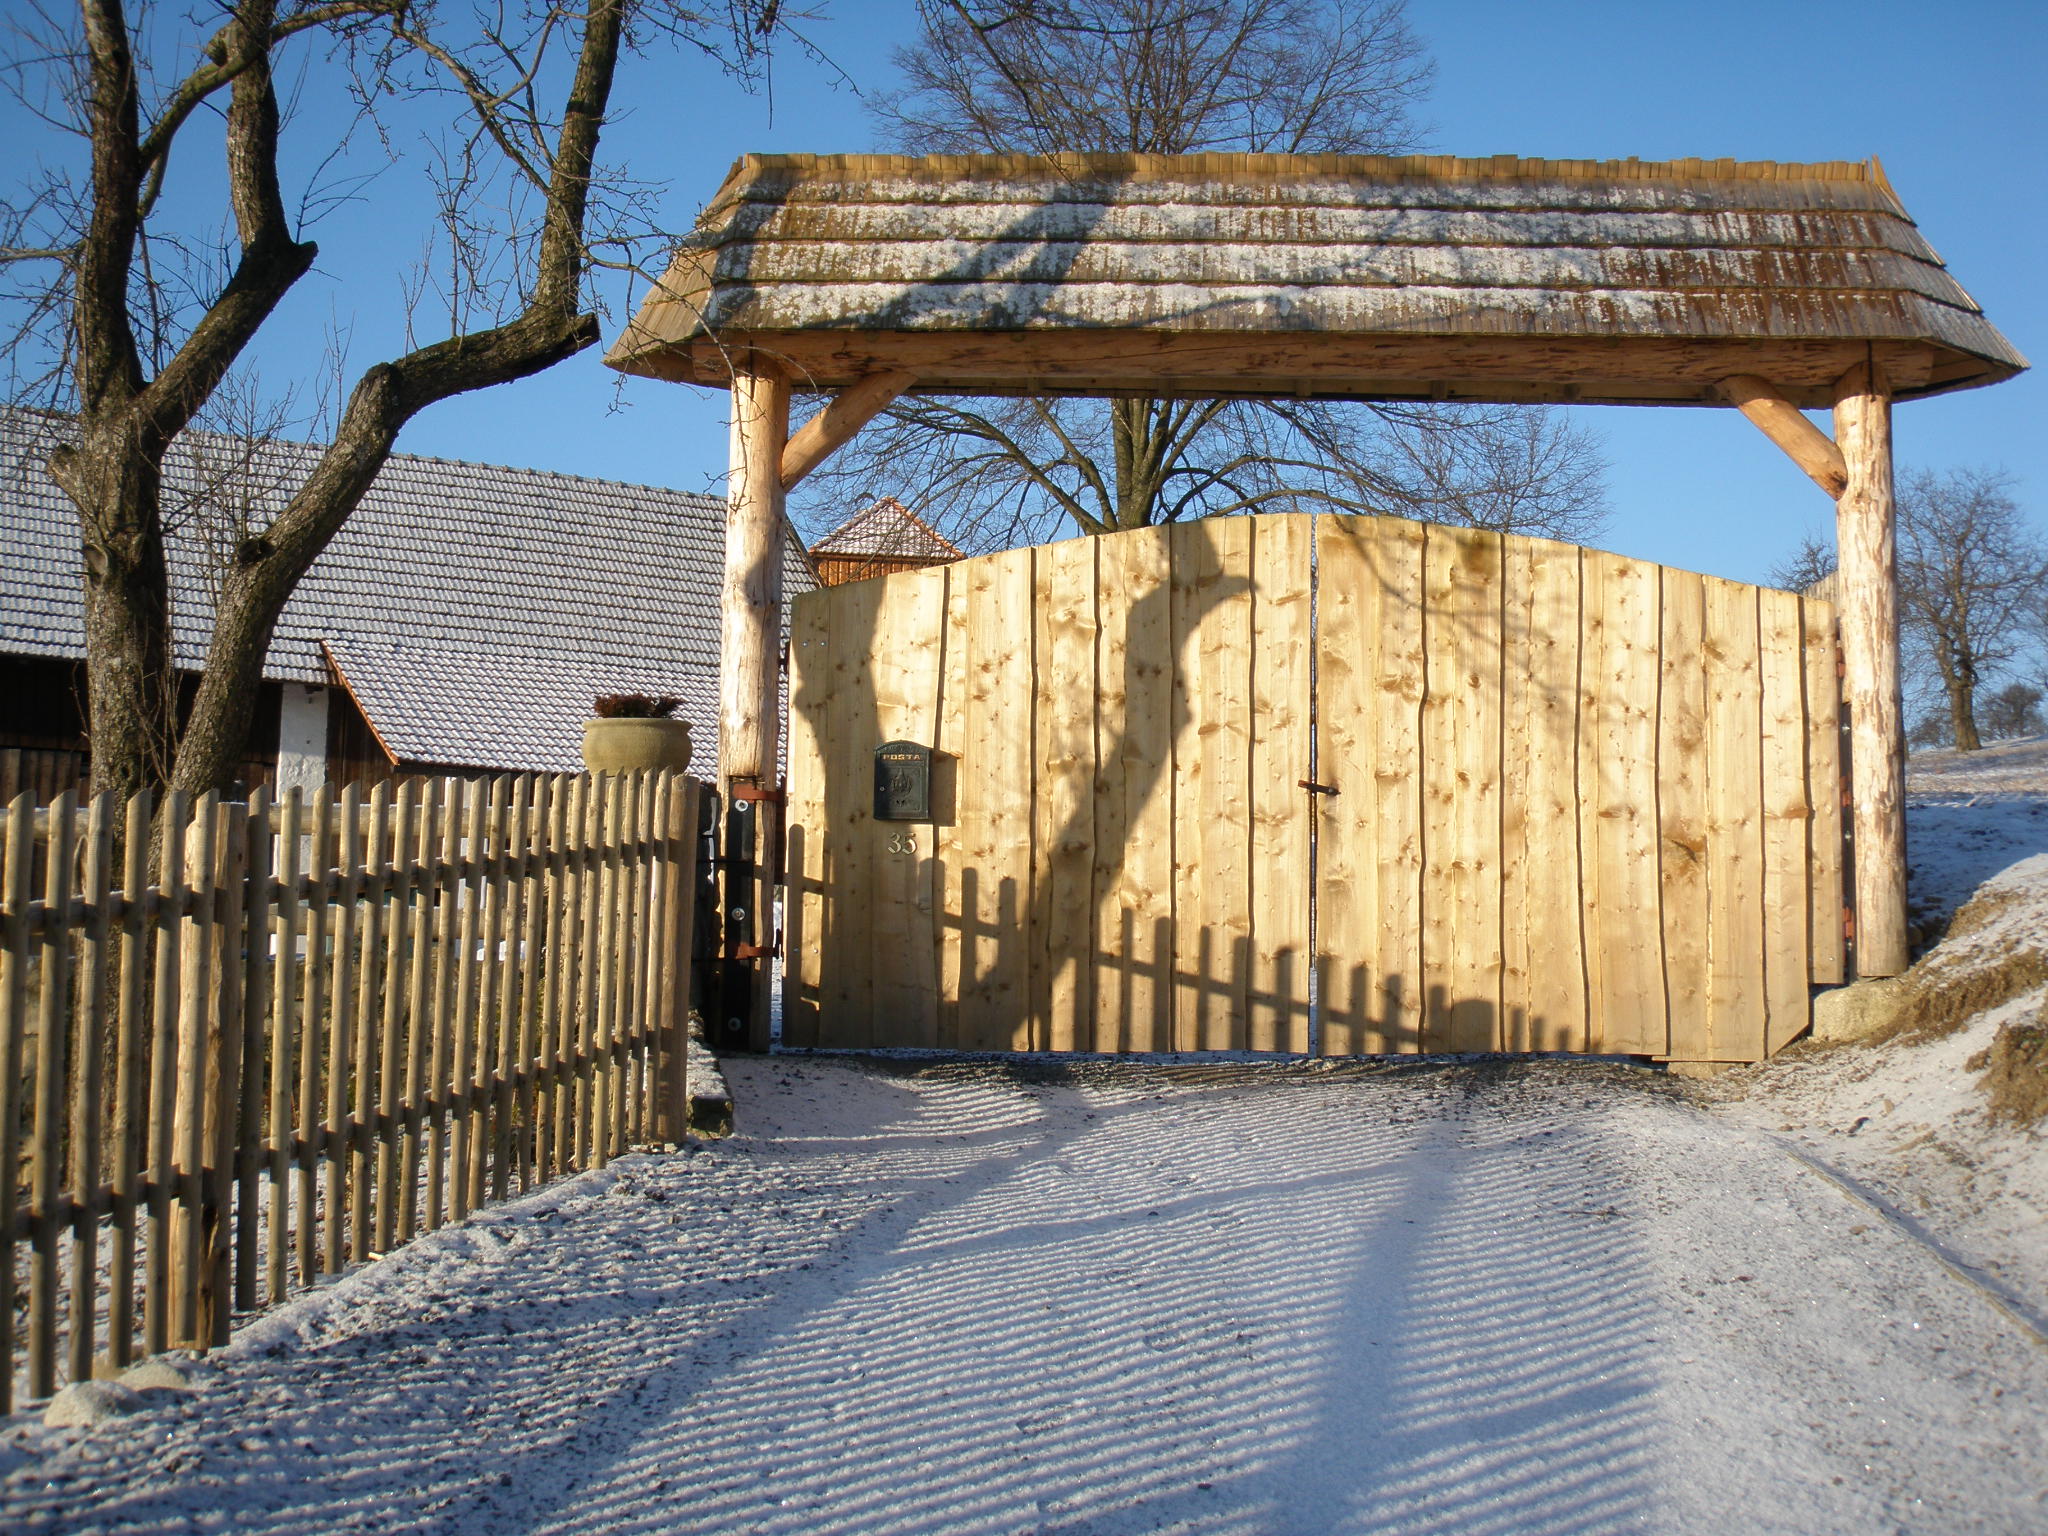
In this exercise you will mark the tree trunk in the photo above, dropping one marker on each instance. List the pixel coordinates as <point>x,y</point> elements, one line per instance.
<point>1962,713</point>
<point>1141,450</point>
<point>131,685</point>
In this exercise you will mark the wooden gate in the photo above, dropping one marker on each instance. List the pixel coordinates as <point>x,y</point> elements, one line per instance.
<point>1338,784</point>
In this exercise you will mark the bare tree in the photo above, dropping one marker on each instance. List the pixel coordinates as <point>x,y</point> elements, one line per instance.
<point>2015,710</point>
<point>1172,77</point>
<point>140,322</point>
<point>1811,563</point>
<point>1971,577</point>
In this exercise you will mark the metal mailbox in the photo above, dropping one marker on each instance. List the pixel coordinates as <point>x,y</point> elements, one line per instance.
<point>903,781</point>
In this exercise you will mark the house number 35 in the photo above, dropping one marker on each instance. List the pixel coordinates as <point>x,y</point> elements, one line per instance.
<point>902,842</point>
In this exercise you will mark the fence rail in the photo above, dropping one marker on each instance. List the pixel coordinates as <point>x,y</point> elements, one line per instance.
<point>245,1045</point>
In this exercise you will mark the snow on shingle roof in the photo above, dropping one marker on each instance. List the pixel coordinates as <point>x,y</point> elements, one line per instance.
<point>890,530</point>
<point>542,574</point>
<point>1678,265</point>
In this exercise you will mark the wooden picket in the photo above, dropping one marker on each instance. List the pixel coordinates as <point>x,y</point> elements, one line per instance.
<point>1559,800</point>
<point>327,1026</point>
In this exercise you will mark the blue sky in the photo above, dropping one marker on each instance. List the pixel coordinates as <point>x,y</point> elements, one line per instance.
<point>1950,97</point>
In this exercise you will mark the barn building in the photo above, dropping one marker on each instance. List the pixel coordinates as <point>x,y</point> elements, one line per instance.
<point>461,622</point>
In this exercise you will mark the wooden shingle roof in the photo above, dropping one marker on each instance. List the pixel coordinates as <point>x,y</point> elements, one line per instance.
<point>1314,275</point>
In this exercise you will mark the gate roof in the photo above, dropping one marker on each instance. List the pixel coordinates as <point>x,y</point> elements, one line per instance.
<point>1317,276</point>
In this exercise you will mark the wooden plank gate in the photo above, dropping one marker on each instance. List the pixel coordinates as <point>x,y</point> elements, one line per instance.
<point>1320,783</point>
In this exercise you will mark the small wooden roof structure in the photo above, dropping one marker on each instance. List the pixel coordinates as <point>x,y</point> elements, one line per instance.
<point>1315,276</point>
<point>878,540</point>
<point>1771,287</point>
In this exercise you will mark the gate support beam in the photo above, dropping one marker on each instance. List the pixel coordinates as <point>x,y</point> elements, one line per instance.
<point>750,633</point>
<point>1780,420</point>
<point>1868,608</point>
<point>833,427</point>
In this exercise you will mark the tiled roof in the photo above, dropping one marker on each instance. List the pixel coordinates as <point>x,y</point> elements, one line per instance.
<point>890,530</point>
<point>495,580</point>
<point>433,705</point>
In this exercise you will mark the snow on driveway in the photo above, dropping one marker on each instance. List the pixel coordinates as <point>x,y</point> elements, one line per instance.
<point>1121,1298</point>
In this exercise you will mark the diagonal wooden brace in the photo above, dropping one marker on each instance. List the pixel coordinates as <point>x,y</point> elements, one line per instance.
<point>1780,420</point>
<point>833,427</point>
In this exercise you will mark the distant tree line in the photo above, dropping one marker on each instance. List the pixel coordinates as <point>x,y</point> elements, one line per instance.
<point>1973,607</point>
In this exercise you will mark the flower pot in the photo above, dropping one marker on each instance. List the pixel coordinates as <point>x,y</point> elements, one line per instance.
<point>623,746</point>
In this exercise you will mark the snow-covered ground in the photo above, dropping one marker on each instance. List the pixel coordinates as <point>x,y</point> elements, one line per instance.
<point>1248,1298</point>
<point>1443,1297</point>
<point>1968,816</point>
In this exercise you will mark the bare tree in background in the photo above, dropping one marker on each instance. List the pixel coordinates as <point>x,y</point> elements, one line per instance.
<point>1811,563</point>
<point>1177,77</point>
<point>1973,587</point>
<point>1971,577</point>
<point>2014,710</point>
<point>141,322</point>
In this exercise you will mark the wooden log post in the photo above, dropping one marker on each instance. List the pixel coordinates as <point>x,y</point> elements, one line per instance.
<point>1868,607</point>
<point>749,695</point>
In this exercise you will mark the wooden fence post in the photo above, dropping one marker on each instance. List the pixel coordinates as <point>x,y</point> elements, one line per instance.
<point>130,1075</point>
<point>52,1037</point>
<point>14,964</point>
<point>90,1056</point>
<point>226,1029</point>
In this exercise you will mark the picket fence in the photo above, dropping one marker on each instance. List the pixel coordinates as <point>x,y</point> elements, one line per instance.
<point>246,1045</point>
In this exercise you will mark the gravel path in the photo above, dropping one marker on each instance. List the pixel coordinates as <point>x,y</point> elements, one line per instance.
<point>1112,1298</point>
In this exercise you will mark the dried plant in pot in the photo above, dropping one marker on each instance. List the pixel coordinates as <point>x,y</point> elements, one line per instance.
<point>636,731</point>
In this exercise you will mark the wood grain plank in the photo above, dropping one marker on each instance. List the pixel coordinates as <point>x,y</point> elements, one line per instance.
<point>1543,997</point>
<point>1735,886</point>
<point>1618,797</point>
<point>400,939</point>
<point>1824,786</point>
<point>1349,601</point>
<point>1281,811</point>
<point>1134,816</point>
<point>949,846</point>
<point>342,880</point>
<point>421,843</point>
<point>1370,680</point>
<point>1063,913</point>
<point>1786,813</point>
<point>131,1124</point>
<point>1212,614</point>
<point>48,1076</point>
<point>91,1050</point>
<point>995,794</point>
<point>808,819</point>
<point>17,946</point>
<point>846,1019</point>
<point>1461,752</point>
<point>288,1053</point>
<point>1682,812</point>
<point>909,619</point>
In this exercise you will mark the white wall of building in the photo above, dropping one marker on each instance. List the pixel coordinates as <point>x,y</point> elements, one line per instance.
<point>302,738</point>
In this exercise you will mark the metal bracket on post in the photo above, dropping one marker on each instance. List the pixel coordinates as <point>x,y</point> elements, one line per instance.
<point>732,1024</point>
